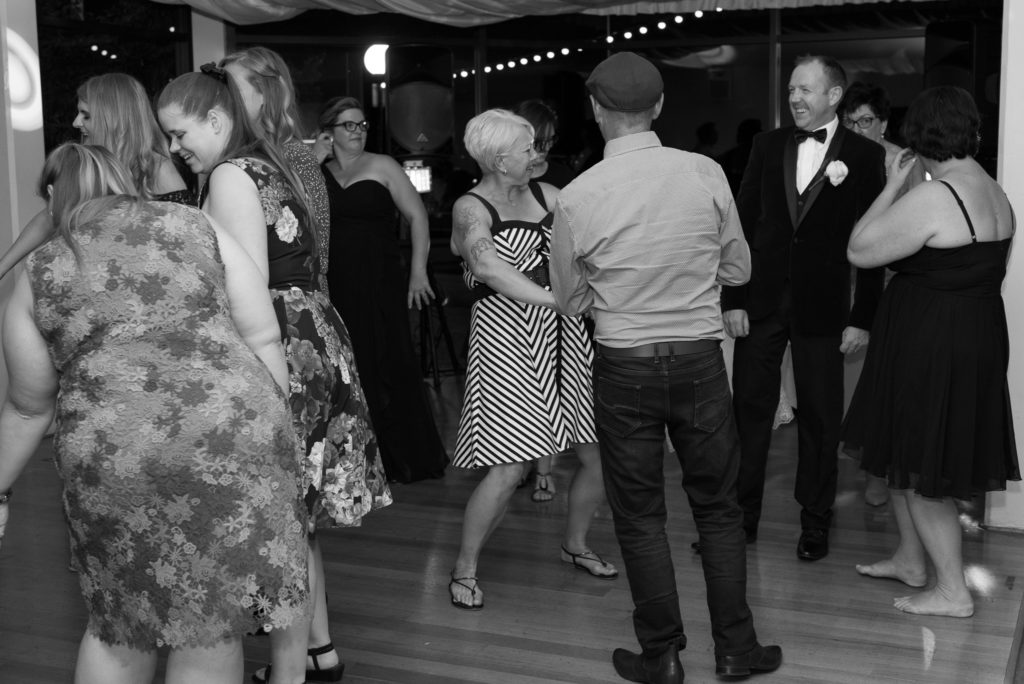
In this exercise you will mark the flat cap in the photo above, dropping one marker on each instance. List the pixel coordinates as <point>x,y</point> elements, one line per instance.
<point>626,82</point>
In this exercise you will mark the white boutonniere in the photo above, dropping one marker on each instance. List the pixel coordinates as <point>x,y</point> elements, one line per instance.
<point>836,172</point>
<point>287,226</point>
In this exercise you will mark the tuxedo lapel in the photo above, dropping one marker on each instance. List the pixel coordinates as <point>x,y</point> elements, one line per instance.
<point>789,175</point>
<point>818,181</point>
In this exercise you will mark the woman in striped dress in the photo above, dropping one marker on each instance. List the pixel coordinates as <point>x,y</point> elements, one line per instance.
<point>528,384</point>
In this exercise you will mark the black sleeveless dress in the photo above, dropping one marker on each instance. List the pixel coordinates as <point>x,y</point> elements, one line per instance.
<point>368,286</point>
<point>932,409</point>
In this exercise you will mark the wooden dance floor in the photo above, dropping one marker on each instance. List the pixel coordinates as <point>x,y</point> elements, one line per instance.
<point>544,621</point>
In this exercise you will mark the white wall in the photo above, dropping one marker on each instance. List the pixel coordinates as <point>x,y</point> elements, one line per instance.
<point>21,152</point>
<point>1006,509</point>
<point>208,39</point>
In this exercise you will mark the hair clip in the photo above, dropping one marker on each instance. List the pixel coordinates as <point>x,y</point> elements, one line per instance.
<point>211,69</point>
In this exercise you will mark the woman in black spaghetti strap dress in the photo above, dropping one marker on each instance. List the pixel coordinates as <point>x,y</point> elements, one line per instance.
<point>931,412</point>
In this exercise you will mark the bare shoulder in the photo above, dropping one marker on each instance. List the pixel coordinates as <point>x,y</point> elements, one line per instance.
<point>550,194</point>
<point>469,210</point>
<point>167,178</point>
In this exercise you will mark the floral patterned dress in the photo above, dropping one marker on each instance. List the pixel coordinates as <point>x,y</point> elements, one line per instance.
<point>344,478</point>
<point>174,443</point>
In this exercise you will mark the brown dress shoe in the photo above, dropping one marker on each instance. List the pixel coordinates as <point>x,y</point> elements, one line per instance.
<point>662,669</point>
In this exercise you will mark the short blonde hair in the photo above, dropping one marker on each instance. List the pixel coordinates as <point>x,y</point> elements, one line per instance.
<point>491,134</point>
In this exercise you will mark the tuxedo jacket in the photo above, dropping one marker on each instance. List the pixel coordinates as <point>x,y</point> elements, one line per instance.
<point>800,239</point>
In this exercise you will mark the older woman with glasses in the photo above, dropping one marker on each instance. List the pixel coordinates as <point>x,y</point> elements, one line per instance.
<point>369,287</point>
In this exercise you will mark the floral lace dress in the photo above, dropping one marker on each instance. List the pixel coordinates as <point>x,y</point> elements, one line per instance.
<point>344,478</point>
<point>173,442</point>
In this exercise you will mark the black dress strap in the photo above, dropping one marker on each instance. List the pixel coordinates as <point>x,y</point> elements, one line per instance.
<point>495,219</point>
<point>970,224</point>
<point>538,194</point>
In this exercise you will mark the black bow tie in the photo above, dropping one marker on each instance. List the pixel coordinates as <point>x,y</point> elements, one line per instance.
<point>800,134</point>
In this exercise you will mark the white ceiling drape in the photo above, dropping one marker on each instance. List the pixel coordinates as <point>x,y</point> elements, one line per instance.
<point>480,12</point>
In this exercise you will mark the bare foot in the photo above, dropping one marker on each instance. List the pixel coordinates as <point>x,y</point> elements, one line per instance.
<point>890,569</point>
<point>935,602</point>
<point>876,493</point>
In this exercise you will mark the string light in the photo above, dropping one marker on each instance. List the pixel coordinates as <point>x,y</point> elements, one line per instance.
<point>565,51</point>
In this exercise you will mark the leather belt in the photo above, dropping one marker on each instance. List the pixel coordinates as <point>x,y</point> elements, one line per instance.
<point>660,349</point>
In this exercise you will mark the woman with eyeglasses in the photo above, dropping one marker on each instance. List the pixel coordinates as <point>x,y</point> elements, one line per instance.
<point>865,111</point>
<point>528,377</point>
<point>369,193</point>
<point>253,192</point>
<point>544,120</point>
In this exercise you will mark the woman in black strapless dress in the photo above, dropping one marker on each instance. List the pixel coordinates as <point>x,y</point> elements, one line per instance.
<point>370,289</point>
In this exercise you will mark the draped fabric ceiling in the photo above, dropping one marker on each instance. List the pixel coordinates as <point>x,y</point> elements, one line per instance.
<point>480,12</point>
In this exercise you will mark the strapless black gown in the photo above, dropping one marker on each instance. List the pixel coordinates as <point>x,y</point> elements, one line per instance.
<point>368,286</point>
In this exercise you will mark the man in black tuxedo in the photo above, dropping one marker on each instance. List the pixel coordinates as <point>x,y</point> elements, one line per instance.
<point>803,189</point>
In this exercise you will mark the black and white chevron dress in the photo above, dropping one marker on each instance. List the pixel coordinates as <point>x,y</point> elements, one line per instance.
<point>529,391</point>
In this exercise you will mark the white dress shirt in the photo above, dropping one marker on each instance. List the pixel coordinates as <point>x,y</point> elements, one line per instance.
<point>810,153</point>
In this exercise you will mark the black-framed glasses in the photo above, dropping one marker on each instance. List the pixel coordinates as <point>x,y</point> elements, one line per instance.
<point>865,122</point>
<point>542,145</point>
<point>353,126</point>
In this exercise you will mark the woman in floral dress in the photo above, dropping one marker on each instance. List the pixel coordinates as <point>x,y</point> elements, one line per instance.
<point>254,193</point>
<point>143,327</point>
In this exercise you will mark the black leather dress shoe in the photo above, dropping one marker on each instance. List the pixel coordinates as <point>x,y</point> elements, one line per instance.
<point>664,669</point>
<point>813,545</point>
<point>758,659</point>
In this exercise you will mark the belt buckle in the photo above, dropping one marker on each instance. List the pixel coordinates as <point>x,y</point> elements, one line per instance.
<point>658,350</point>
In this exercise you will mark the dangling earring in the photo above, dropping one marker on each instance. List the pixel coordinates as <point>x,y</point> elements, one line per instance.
<point>504,172</point>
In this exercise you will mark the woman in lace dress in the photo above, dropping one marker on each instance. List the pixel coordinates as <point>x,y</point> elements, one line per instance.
<point>253,191</point>
<point>142,325</point>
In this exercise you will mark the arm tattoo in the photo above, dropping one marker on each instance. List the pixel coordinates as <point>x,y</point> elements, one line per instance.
<point>479,247</point>
<point>465,221</point>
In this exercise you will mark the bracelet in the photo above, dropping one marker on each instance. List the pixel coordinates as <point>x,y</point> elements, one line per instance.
<point>6,496</point>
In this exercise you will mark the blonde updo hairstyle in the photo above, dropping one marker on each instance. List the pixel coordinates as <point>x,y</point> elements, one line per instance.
<point>491,134</point>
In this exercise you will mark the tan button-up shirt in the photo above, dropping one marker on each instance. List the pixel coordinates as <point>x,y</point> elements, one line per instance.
<point>644,239</point>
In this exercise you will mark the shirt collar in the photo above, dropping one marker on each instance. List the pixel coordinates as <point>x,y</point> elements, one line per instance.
<point>631,143</point>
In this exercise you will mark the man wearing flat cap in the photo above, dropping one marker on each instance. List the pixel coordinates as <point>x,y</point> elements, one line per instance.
<point>644,240</point>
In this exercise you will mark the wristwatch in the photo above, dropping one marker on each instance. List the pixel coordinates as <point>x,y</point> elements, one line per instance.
<point>6,496</point>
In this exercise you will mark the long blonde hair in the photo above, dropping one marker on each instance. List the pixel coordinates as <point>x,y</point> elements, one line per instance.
<point>124,123</point>
<point>269,75</point>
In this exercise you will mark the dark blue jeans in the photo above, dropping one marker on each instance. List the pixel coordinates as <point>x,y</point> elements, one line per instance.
<point>635,400</point>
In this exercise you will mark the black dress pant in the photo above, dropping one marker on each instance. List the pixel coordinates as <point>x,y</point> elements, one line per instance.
<point>818,372</point>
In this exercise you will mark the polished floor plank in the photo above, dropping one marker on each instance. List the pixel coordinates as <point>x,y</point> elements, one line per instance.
<point>544,621</point>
